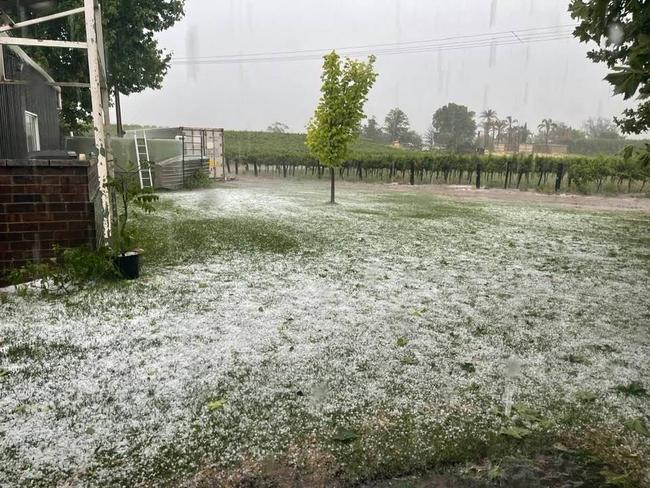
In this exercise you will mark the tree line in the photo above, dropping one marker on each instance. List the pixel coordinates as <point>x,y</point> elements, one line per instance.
<point>456,128</point>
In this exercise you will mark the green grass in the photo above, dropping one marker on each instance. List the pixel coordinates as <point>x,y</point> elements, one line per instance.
<point>174,236</point>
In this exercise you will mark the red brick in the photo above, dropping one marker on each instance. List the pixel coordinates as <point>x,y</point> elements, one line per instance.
<point>54,207</point>
<point>50,180</point>
<point>10,217</point>
<point>27,197</point>
<point>22,227</point>
<point>26,180</point>
<point>60,225</point>
<point>24,245</point>
<point>76,180</point>
<point>76,236</point>
<point>77,207</point>
<point>20,207</point>
<point>86,224</point>
<point>39,189</point>
<point>75,189</point>
<point>10,236</point>
<point>36,217</point>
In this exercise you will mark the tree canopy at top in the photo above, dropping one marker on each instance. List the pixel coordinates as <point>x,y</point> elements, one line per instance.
<point>336,122</point>
<point>135,60</point>
<point>621,30</point>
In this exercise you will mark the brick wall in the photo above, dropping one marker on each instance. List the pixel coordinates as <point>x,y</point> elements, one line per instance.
<point>43,203</point>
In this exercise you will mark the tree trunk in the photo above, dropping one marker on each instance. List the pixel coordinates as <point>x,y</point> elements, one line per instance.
<point>118,113</point>
<point>332,185</point>
<point>558,177</point>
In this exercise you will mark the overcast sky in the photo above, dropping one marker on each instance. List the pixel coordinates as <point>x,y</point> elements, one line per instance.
<point>529,81</point>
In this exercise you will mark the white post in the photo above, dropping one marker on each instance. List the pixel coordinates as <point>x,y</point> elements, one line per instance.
<point>99,112</point>
<point>2,63</point>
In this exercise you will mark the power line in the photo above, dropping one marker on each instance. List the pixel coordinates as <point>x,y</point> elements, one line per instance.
<point>539,30</point>
<point>557,29</point>
<point>399,48</point>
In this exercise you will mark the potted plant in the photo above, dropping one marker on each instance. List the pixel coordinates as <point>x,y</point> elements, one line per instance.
<point>126,186</point>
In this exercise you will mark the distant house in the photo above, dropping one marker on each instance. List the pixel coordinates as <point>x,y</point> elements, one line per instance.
<point>29,107</point>
<point>531,149</point>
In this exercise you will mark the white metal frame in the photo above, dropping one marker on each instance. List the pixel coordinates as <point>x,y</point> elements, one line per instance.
<point>32,117</point>
<point>94,46</point>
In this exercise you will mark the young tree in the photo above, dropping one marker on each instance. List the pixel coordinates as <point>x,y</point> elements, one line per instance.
<point>278,128</point>
<point>336,122</point>
<point>372,131</point>
<point>396,125</point>
<point>135,61</point>
<point>620,30</point>
<point>454,127</point>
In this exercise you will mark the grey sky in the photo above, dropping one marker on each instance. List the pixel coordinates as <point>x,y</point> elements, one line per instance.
<point>528,81</point>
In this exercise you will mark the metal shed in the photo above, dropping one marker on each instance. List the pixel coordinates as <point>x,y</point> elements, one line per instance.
<point>29,107</point>
<point>201,151</point>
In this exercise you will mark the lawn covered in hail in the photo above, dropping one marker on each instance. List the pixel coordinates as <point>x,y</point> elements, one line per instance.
<point>388,331</point>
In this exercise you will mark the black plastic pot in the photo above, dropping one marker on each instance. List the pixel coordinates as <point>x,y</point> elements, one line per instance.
<point>128,265</point>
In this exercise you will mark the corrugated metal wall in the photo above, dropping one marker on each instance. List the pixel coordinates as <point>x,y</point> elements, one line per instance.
<point>15,100</point>
<point>13,143</point>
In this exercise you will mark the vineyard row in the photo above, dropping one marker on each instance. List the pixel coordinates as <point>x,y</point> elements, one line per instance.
<point>612,173</point>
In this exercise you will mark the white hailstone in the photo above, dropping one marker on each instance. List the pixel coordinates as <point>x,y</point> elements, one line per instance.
<point>319,393</point>
<point>615,33</point>
<point>512,367</point>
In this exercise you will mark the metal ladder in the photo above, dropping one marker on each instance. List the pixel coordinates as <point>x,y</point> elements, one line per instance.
<point>142,155</point>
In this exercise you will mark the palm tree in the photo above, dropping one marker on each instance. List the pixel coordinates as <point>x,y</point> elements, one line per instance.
<point>510,123</point>
<point>488,117</point>
<point>499,126</point>
<point>524,133</point>
<point>547,126</point>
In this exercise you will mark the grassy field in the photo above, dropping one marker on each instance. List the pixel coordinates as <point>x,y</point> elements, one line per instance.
<point>275,340</point>
<point>244,142</point>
